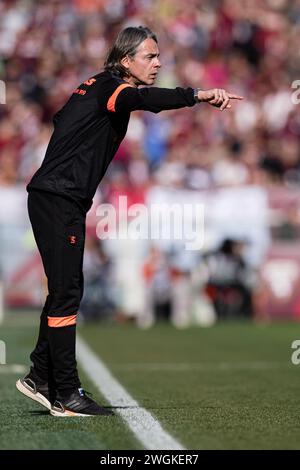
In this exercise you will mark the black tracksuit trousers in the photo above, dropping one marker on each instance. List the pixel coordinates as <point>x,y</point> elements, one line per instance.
<point>58,225</point>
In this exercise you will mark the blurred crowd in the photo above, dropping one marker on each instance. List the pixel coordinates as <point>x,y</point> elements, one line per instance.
<point>249,47</point>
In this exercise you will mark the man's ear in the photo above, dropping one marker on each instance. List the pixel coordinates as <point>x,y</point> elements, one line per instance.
<point>125,62</point>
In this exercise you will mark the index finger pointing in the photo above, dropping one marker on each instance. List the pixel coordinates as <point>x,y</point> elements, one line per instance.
<point>235,97</point>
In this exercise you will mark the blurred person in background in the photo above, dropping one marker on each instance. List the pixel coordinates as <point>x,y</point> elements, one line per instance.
<point>98,298</point>
<point>229,280</point>
<point>157,290</point>
<point>88,130</point>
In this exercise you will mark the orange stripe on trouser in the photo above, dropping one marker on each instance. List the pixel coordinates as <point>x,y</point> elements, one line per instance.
<point>112,100</point>
<point>58,322</point>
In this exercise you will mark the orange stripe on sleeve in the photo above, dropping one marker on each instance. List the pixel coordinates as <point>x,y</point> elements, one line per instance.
<point>112,100</point>
<point>58,322</point>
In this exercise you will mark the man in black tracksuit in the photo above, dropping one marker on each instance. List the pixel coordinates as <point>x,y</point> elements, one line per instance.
<point>87,133</point>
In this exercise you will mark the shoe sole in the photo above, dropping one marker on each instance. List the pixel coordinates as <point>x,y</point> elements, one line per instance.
<point>66,414</point>
<point>34,396</point>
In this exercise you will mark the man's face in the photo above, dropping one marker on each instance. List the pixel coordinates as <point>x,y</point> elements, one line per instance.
<point>143,67</point>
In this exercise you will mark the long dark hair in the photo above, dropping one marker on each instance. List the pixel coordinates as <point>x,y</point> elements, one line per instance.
<point>126,43</point>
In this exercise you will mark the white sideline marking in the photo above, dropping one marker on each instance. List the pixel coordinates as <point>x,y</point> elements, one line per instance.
<point>144,426</point>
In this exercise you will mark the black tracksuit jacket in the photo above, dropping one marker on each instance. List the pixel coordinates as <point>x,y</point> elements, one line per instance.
<point>89,129</point>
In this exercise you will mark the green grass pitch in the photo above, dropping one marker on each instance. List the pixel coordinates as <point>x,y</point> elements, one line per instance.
<point>231,386</point>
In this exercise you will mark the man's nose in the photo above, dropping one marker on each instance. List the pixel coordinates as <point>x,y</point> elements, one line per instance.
<point>158,63</point>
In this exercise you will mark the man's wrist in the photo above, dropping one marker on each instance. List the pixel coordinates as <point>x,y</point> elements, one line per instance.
<point>196,95</point>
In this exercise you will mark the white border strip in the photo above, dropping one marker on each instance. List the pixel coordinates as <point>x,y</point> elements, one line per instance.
<point>144,426</point>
